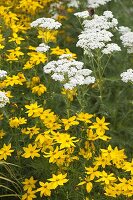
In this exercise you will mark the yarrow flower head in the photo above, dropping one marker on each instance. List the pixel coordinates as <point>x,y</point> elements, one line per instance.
<point>69,72</point>
<point>82,15</point>
<point>110,48</point>
<point>124,29</point>
<point>127,76</point>
<point>47,23</point>
<point>97,3</point>
<point>96,33</point>
<point>2,73</point>
<point>3,99</point>
<point>42,48</point>
<point>127,40</point>
<point>73,3</point>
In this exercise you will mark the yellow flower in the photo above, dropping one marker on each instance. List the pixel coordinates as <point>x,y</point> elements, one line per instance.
<point>69,93</point>
<point>57,51</point>
<point>29,195</point>
<point>34,110</point>
<point>128,166</point>
<point>48,36</point>
<point>14,54</point>
<point>29,184</point>
<point>31,151</point>
<point>102,161</point>
<point>66,141</point>
<point>8,94</point>
<point>2,133</point>
<point>15,122</point>
<point>39,89</point>
<point>15,80</point>
<point>57,180</point>
<point>5,151</point>
<point>84,117</point>
<point>16,38</point>
<point>45,189</point>
<point>30,131</point>
<point>54,155</point>
<point>88,183</point>
<point>106,178</point>
<point>100,125</point>
<point>92,172</point>
<point>69,122</point>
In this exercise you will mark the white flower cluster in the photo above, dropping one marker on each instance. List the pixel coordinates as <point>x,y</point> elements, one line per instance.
<point>127,76</point>
<point>127,38</point>
<point>97,3</point>
<point>96,33</point>
<point>2,73</point>
<point>69,72</point>
<point>73,3</point>
<point>47,23</point>
<point>124,29</point>
<point>3,99</point>
<point>110,48</point>
<point>42,48</point>
<point>82,15</point>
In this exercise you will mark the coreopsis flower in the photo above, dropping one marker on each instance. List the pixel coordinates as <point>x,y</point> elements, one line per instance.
<point>2,41</point>
<point>110,191</point>
<point>128,166</point>
<point>31,151</point>
<point>3,99</point>
<point>54,155</point>
<point>92,172</point>
<point>70,122</point>
<point>30,131</point>
<point>14,54</point>
<point>15,38</point>
<point>2,134</point>
<point>48,36</point>
<point>102,160</point>
<point>57,51</point>
<point>70,94</point>
<point>29,184</point>
<point>107,151</point>
<point>100,125</point>
<point>84,117</point>
<point>5,151</point>
<point>29,6</point>
<point>29,195</point>
<point>106,178</point>
<point>18,79</point>
<point>39,89</point>
<point>16,122</point>
<point>88,184</point>
<point>33,110</point>
<point>66,141</point>
<point>58,180</point>
<point>45,189</point>
<point>127,76</point>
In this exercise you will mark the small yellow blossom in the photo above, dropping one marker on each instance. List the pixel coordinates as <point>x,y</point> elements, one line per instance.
<point>31,151</point>
<point>5,151</point>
